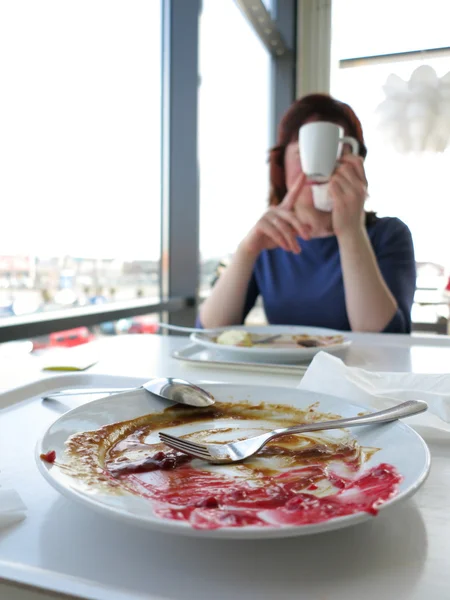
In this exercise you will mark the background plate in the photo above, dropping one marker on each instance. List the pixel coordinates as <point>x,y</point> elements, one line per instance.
<point>270,354</point>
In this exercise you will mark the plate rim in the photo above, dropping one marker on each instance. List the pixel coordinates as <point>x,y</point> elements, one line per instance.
<point>247,533</point>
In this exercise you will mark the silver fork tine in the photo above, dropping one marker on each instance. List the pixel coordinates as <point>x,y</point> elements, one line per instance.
<point>175,446</point>
<point>183,441</point>
<point>184,446</point>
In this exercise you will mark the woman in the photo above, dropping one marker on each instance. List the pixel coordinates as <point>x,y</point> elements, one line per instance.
<point>345,269</point>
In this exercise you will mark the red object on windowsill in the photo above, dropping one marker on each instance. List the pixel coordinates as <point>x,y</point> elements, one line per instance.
<point>144,324</point>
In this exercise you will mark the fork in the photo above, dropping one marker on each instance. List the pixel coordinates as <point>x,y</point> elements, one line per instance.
<point>237,451</point>
<point>170,327</point>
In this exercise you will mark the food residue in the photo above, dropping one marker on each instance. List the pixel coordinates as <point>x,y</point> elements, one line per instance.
<point>241,338</point>
<point>235,337</point>
<point>49,456</point>
<point>294,480</point>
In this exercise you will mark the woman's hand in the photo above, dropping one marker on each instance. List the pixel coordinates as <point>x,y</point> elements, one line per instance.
<point>348,189</point>
<point>279,226</point>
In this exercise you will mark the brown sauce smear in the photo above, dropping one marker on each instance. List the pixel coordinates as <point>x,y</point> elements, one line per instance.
<point>103,456</point>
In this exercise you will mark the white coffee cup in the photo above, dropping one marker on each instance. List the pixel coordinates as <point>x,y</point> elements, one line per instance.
<point>320,145</point>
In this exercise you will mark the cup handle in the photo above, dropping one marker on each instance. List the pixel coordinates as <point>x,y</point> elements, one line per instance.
<point>353,143</point>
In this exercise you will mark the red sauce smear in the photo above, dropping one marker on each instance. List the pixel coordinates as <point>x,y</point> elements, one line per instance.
<point>49,457</point>
<point>210,500</point>
<point>160,460</point>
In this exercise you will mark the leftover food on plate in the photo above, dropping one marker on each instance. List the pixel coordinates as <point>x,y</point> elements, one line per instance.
<point>238,337</point>
<point>235,337</point>
<point>49,456</point>
<point>312,341</point>
<point>295,480</point>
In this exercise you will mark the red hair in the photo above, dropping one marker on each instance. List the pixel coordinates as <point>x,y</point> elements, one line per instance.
<point>321,106</point>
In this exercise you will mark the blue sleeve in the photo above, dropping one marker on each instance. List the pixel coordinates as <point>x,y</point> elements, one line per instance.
<point>395,255</point>
<point>250,299</point>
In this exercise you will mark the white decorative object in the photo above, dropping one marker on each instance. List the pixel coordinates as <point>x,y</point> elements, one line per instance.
<point>415,115</point>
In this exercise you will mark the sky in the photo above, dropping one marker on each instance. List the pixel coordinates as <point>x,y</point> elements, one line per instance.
<point>80,122</point>
<point>80,127</point>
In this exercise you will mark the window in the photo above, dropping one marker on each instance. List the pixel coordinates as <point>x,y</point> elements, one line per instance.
<point>269,6</point>
<point>376,27</point>
<point>407,186</point>
<point>234,131</point>
<point>80,115</point>
<point>100,97</point>
<point>413,188</point>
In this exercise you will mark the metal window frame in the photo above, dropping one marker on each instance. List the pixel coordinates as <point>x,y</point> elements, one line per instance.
<point>180,263</point>
<point>277,30</point>
<point>378,59</point>
<point>284,67</point>
<point>180,259</point>
<point>177,281</point>
<point>266,26</point>
<point>29,326</point>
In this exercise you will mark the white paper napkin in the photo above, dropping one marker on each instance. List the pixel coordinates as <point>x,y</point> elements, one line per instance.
<point>329,375</point>
<point>12,508</point>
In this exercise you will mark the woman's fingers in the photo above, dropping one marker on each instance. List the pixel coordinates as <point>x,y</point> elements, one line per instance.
<point>346,184</point>
<point>287,231</point>
<point>347,176</point>
<point>353,165</point>
<point>301,229</point>
<point>271,232</point>
<point>292,195</point>
<point>338,188</point>
<point>282,226</point>
<point>280,231</point>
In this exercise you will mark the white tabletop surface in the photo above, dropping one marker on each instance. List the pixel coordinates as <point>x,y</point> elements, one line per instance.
<point>404,553</point>
<point>150,355</point>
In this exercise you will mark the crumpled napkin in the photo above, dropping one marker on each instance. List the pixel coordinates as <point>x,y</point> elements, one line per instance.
<point>327,374</point>
<point>12,508</point>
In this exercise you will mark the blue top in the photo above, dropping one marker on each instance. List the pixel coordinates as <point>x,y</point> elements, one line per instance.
<point>307,289</point>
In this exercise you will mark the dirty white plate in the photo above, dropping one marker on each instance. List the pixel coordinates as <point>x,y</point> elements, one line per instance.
<point>270,353</point>
<point>398,445</point>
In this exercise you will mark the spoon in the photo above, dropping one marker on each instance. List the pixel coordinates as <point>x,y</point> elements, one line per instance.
<point>168,388</point>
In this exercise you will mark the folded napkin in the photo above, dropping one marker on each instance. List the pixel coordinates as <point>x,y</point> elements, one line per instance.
<point>12,508</point>
<point>327,374</point>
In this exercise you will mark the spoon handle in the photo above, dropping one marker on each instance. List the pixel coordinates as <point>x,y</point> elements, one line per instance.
<point>84,391</point>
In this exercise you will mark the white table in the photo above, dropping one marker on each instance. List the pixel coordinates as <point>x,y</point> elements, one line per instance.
<point>404,553</point>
